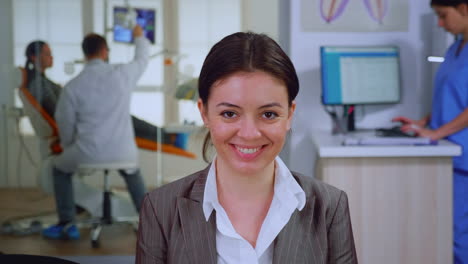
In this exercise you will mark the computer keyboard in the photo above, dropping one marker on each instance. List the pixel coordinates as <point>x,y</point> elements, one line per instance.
<point>393,132</point>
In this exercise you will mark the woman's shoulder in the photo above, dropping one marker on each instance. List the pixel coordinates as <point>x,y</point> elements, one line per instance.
<point>180,188</point>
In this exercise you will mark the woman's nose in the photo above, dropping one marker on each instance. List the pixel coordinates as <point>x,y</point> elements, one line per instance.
<point>249,129</point>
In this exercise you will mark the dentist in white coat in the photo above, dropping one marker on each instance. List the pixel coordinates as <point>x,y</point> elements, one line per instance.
<point>93,117</point>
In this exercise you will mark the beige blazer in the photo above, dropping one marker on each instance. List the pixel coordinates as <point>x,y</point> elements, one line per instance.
<point>173,228</point>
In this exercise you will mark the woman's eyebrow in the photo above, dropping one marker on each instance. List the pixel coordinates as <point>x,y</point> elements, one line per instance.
<point>271,105</point>
<point>227,105</point>
<point>261,107</point>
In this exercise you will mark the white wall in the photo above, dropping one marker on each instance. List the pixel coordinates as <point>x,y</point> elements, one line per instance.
<point>416,79</point>
<point>261,16</point>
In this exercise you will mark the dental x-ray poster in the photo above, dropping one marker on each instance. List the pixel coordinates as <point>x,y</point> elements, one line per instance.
<point>354,15</point>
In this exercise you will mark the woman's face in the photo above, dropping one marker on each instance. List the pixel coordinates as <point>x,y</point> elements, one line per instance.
<point>248,117</point>
<point>45,58</point>
<point>452,19</point>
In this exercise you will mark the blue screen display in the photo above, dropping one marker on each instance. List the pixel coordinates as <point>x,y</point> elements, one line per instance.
<point>360,75</point>
<point>123,30</point>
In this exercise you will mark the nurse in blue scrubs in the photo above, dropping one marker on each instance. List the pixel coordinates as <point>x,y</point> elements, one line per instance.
<point>449,115</point>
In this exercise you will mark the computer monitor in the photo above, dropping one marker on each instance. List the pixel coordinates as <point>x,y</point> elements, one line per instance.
<point>125,19</point>
<point>360,75</point>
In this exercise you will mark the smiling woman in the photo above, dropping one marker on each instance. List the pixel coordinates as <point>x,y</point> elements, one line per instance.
<point>246,206</point>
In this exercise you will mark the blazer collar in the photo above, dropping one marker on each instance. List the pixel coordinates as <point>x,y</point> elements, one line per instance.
<point>198,189</point>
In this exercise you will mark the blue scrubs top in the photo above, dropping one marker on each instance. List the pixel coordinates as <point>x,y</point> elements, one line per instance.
<point>451,98</point>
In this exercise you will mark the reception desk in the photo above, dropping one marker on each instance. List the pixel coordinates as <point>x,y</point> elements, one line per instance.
<point>400,197</point>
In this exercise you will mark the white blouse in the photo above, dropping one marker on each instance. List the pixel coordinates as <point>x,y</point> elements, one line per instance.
<point>233,248</point>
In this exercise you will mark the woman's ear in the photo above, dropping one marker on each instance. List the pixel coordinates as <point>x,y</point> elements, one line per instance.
<point>292,108</point>
<point>202,109</point>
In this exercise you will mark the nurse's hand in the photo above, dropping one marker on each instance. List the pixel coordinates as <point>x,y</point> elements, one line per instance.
<point>408,121</point>
<point>420,131</point>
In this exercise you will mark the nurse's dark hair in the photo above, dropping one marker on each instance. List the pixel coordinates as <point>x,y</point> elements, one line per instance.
<point>92,44</point>
<point>448,2</point>
<point>245,52</point>
<point>33,49</point>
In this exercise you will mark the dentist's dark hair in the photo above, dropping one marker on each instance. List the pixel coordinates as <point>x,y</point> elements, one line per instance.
<point>245,52</point>
<point>92,44</point>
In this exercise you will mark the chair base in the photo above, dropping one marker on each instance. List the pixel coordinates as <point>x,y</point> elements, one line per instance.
<point>98,224</point>
<point>106,219</point>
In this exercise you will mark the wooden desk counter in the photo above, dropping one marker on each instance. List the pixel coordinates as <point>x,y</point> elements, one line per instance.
<point>400,197</point>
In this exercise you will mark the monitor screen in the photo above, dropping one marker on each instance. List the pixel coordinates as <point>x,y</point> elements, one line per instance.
<point>360,75</point>
<point>124,19</point>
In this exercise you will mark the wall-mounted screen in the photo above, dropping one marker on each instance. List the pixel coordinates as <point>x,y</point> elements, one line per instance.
<point>360,75</point>
<point>125,18</point>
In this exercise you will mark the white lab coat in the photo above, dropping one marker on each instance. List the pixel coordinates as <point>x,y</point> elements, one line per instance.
<point>93,112</point>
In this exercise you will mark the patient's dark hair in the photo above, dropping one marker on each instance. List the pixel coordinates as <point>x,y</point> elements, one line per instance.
<point>33,49</point>
<point>453,3</point>
<point>245,52</point>
<point>92,44</point>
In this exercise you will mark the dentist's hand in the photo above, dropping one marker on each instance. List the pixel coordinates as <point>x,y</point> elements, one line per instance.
<point>137,31</point>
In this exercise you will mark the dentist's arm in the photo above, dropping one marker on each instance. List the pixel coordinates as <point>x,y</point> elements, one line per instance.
<point>137,66</point>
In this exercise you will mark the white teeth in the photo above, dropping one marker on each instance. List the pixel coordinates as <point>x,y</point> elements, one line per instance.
<point>248,150</point>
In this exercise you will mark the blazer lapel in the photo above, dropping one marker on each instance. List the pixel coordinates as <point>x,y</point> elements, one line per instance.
<point>295,242</point>
<point>199,235</point>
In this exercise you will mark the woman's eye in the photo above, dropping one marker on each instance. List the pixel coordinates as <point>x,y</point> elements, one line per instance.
<point>228,114</point>
<point>270,115</point>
